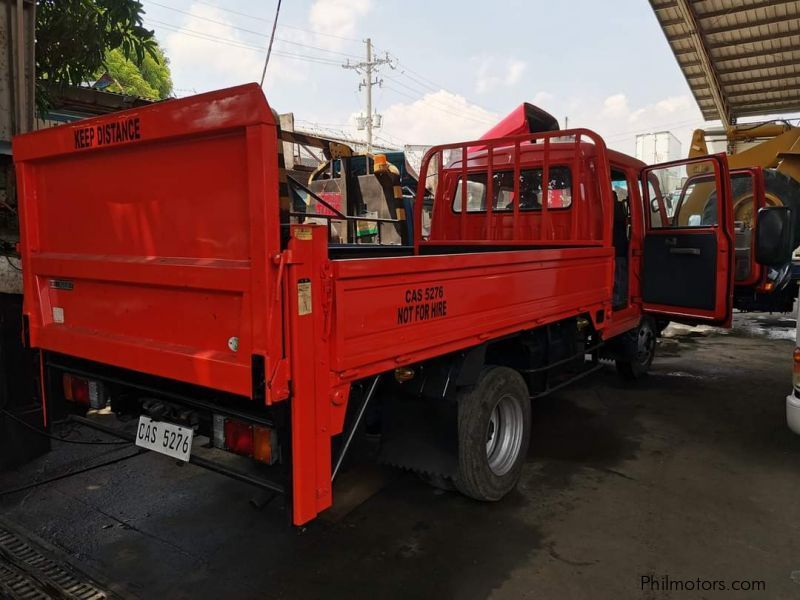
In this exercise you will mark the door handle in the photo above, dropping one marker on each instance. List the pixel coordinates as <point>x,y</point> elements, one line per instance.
<point>689,251</point>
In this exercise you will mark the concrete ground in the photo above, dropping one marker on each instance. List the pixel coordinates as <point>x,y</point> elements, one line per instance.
<point>690,474</point>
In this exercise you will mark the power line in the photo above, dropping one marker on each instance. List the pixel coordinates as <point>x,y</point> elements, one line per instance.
<point>439,104</point>
<point>634,132</point>
<point>283,25</point>
<point>391,139</point>
<point>425,83</point>
<point>271,39</point>
<point>238,44</point>
<point>445,103</point>
<point>446,110</point>
<point>250,31</point>
<point>316,123</point>
<point>229,10</point>
<point>403,67</point>
<point>442,103</point>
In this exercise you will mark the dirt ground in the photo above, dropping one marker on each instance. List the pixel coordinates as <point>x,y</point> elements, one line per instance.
<point>689,477</point>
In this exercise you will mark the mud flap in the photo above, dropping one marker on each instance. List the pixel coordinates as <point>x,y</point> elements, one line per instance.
<point>420,435</point>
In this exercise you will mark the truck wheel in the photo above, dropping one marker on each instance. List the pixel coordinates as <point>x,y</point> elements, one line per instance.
<point>637,350</point>
<point>494,422</point>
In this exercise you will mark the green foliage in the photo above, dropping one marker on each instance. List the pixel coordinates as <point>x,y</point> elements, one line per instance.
<point>73,37</point>
<point>151,79</point>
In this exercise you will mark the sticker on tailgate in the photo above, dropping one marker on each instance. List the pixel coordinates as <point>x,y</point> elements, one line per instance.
<point>62,284</point>
<point>107,134</point>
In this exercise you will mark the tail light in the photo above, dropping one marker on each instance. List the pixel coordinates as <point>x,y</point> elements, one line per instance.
<point>796,368</point>
<point>239,437</point>
<point>87,392</point>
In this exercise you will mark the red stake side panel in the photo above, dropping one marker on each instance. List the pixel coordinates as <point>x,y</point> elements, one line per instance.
<point>395,311</point>
<point>146,237</point>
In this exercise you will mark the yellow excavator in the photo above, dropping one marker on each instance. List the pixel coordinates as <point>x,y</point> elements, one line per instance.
<point>775,147</point>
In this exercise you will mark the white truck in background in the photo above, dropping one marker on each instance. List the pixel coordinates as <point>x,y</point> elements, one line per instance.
<point>793,399</point>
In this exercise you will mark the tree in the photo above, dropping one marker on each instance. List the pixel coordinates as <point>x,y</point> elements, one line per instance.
<point>150,80</point>
<point>73,38</point>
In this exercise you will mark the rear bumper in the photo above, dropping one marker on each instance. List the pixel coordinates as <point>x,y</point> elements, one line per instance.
<point>793,413</point>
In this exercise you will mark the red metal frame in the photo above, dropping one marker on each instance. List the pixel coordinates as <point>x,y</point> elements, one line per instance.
<point>539,150</point>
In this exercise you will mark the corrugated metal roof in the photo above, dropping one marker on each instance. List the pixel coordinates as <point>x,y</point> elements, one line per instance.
<point>740,57</point>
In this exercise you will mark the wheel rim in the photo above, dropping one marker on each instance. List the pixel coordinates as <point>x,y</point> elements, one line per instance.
<point>504,434</point>
<point>645,346</point>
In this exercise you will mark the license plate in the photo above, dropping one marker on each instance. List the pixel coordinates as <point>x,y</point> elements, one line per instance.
<point>166,438</point>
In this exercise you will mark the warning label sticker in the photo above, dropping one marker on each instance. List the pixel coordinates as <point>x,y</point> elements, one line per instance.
<point>107,134</point>
<point>304,306</point>
<point>422,304</point>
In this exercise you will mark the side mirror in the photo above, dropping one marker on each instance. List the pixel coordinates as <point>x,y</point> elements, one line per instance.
<point>774,236</point>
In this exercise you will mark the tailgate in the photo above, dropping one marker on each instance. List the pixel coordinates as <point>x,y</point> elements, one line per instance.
<point>145,237</point>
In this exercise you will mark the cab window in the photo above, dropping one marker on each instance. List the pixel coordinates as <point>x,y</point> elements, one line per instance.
<point>682,196</point>
<point>530,190</point>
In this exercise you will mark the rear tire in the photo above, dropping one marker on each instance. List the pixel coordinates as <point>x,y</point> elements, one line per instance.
<point>494,428</point>
<point>637,350</point>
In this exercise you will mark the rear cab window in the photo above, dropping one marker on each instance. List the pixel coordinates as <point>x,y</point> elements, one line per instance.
<point>530,190</point>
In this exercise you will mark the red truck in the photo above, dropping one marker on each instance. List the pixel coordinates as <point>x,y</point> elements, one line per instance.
<point>174,274</point>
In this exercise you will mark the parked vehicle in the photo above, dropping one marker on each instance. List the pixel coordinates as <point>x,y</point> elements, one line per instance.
<point>193,298</point>
<point>793,399</point>
<point>773,147</point>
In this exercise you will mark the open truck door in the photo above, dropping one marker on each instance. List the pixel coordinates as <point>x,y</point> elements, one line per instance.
<point>688,251</point>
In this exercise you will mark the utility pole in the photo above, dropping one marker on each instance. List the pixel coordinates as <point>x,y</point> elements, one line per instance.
<point>366,68</point>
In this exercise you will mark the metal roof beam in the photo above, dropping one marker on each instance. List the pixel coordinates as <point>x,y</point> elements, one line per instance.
<point>700,79</point>
<point>776,64</point>
<point>768,108</point>
<point>741,55</point>
<point>769,37</point>
<point>738,41</point>
<point>713,14</point>
<point>793,18</point>
<point>703,54</point>
<point>765,95</point>
<point>665,6</point>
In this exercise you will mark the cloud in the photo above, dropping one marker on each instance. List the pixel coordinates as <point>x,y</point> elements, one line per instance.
<point>616,107</point>
<point>492,73</point>
<point>618,121</point>
<point>543,99</point>
<point>436,118</point>
<point>337,18</point>
<point>211,47</point>
<point>514,73</point>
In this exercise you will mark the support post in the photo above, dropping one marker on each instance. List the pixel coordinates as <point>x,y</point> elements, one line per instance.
<point>310,385</point>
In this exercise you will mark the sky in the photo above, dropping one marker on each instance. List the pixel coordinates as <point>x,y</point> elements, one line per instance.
<point>455,67</point>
